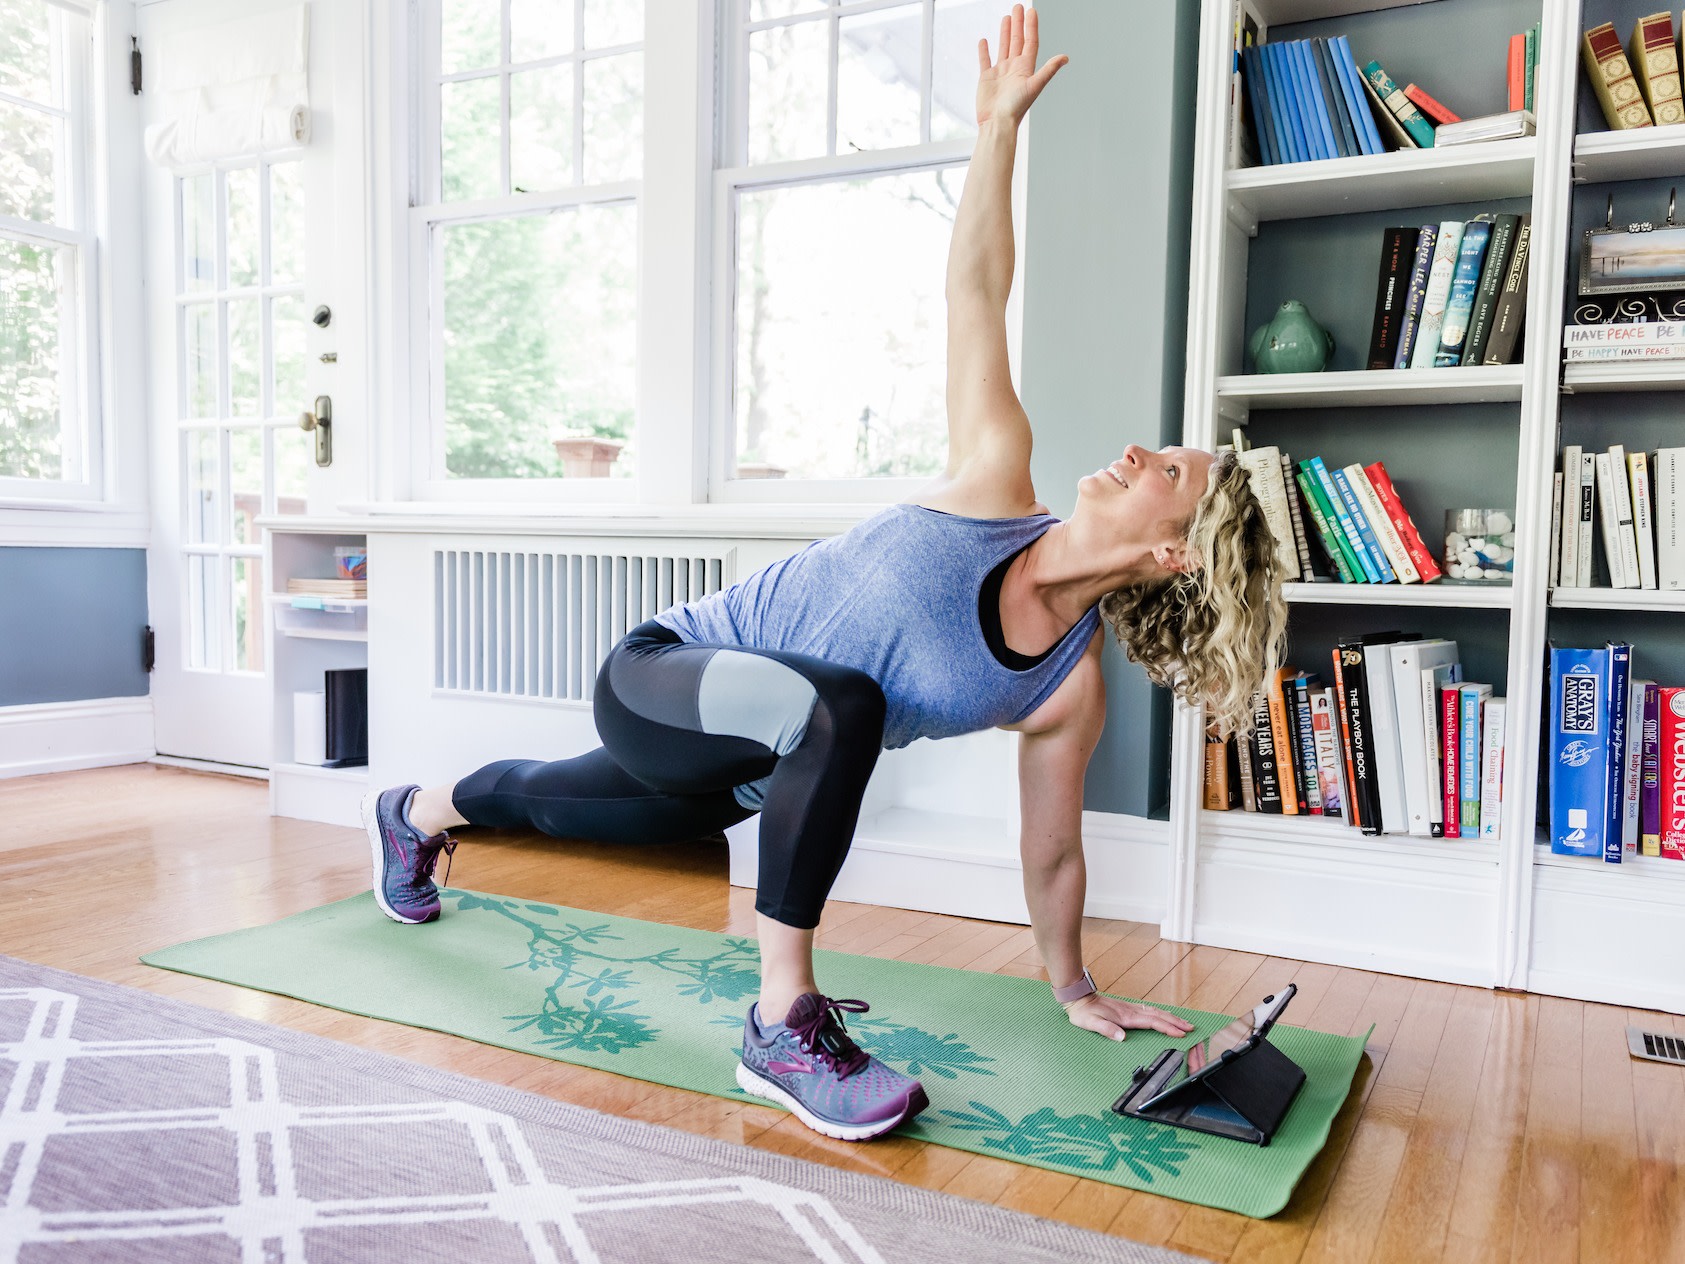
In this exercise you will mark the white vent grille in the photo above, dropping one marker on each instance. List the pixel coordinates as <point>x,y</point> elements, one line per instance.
<point>538,625</point>
<point>1658,1046</point>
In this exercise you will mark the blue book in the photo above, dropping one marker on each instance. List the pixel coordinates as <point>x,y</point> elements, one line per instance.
<point>1263,122</point>
<point>1302,686</point>
<point>1357,99</point>
<point>1415,294</point>
<point>1579,751</point>
<point>1459,308</point>
<point>1334,100</point>
<point>1354,537</point>
<point>1289,128</point>
<point>1471,707</point>
<point>1620,676</point>
<point>1310,100</point>
<point>1366,533</point>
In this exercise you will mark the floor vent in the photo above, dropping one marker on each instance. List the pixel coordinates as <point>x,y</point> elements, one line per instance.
<point>538,625</point>
<point>1658,1046</point>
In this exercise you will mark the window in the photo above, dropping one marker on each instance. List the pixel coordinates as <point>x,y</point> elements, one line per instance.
<point>849,131</point>
<point>49,446</point>
<point>532,158</point>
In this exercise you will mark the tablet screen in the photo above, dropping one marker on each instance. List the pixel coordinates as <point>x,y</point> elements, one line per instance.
<point>1231,1036</point>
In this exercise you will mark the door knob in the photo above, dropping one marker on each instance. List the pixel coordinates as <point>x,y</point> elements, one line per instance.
<point>321,421</point>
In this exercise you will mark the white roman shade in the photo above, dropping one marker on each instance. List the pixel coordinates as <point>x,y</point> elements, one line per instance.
<point>232,90</point>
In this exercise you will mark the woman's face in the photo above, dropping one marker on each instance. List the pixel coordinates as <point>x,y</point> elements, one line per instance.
<point>1145,497</point>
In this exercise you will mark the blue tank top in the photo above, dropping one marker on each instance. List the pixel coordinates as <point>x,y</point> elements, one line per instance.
<point>896,598</point>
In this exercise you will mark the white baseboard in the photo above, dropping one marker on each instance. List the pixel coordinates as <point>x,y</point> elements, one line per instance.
<point>42,737</point>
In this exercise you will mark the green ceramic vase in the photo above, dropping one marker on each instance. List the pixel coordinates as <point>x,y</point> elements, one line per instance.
<point>1292,342</point>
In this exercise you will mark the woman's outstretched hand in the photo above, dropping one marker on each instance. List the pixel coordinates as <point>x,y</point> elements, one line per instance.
<point>1007,88</point>
<point>1109,1016</point>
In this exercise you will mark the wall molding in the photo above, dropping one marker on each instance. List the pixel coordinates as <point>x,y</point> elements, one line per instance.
<point>47,737</point>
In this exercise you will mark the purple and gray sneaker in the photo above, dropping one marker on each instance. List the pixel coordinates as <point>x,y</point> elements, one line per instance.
<point>810,1065</point>
<point>403,858</point>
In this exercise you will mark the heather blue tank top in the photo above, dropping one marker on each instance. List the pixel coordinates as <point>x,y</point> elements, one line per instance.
<point>896,598</point>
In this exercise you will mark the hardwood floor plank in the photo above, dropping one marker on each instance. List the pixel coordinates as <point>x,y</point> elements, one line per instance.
<point>1658,1095</point>
<point>1550,1178</point>
<point>1608,1157</point>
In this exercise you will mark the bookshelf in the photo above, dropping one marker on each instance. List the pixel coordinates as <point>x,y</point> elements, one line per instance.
<point>1498,912</point>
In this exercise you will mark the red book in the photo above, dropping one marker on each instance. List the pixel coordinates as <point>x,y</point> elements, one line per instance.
<point>1420,556</point>
<point>1518,72</point>
<point>1449,726</point>
<point>1352,813</point>
<point>1673,773</point>
<point>1427,105</point>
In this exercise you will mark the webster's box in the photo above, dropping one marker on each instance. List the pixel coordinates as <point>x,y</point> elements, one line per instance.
<point>1579,751</point>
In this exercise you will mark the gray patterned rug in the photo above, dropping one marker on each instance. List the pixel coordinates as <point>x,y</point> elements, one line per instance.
<point>136,1129</point>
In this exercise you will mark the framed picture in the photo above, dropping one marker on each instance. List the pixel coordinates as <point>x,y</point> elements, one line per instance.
<point>1620,260</point>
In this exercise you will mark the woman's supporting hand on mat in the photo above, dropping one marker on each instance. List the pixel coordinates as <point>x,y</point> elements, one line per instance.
<point>1110,1016</point>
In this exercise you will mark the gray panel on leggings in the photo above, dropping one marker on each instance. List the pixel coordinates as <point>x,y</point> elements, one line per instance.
<point>749,695</point>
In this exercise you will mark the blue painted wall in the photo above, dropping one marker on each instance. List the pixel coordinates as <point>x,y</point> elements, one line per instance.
<point>1106,297</point>
<point>70,624</point>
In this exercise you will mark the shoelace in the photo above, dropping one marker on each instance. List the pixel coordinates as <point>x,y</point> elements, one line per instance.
<point>448,846</point>
<point>834,1047</point>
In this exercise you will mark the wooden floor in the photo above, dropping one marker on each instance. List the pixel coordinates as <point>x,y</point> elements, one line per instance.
<point>1481,1126</point>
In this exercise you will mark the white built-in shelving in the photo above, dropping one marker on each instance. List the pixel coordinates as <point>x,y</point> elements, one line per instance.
<point>1496,911</point>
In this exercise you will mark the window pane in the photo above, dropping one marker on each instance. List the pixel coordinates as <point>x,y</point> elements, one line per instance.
<point>286,316</point>
<point>25,50</point>
<point>471,115</point>
<point>953,88</point>
<point>201,612</point>
<point>27,142</point>
<point>540,28</point>
<point>614,118</point>
<point>612,22</point>
<point>840,352</point>
<point>286,222</point>
<point>294,459</point>
<point>245,482</point>
<point>541,129</point>
<point>36,439</point>
<point>878,70</point>
<point>540,339</point>
<point>759,9</point>
<point>787,78</point>
<point>203,483</point>
<point>244,360</point>
<point>471,34</point>
<point>199,359</point>
<point>198,233</point>
<point>248,614</point>
<point>244,231</point>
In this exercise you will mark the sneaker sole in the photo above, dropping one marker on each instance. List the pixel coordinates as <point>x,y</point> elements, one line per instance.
<point>377,845</point>
<point>759,1086</point>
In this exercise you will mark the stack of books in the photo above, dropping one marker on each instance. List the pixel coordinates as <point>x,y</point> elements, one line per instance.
<point>1617,758</point>
<point>356,589</point>
<point>1624,341</point>
<point>1451,293</point>
<point>1637,86</point>
<point>1360,524</point>
<point>1398,743</point>
<point>1642,522</point>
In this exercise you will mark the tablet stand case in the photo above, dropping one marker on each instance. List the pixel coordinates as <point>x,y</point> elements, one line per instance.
<point>1246,1098</point>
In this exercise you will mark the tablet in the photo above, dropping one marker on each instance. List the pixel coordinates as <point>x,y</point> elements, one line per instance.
<point>1203,1057</point>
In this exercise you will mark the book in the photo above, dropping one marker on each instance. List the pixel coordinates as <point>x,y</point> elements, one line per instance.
<point>1392,131</point>
<point>1417,748</point>
<point>1434,681</point>
<point>1242,747</point>
<point>1342,516</point>
<point>1318,128</point>
<point>1216,791</point>
<point>1609,519</point>
<point>1643,517</point>
<point>1626,352</point>
<point>1670,518</point>
<point>1391,290</point>
<point>1342,712</point>
<point>1333,99</point>
<point>1302,728</point>
<point>1283,748</point>
<point>1611,79</point>
<point>1588,466</point>
<point>1263,471</point>
<point>353,589</point>
<point>1301,544</point>
<point>1355,699</point>
<point>1282,109</point>
<point>1331,546</point>
<point>1569,575</point>
<point>1670,827</point>
<point>1498,251</point>
<point>1626,527</point>
<point>1579,750</point>
<point>1510,125</point>
<point>1650,774</point>
<point>1326,742</point>
<point>1426,235</point>
<point>1386,754</point>
<point>1459,307</point>
<point>1654,58</point>
<point>1360,523</point>
<point>1440,274</point>
<point>1263,753</point>
<point>1357,97</point>
<point>1257,94</point>
<point>1643,333</point>
<point>1409,117</point>
<point>1492,767</point>
<point>1247,143</point>
<point>1471,709</point>
<point>1554,569</point>
<point>1436,113</point>
<point>1511,315</point>
<point>1620,680</point>
<point>1632,766</point>
<point>1426,567</point>
<point>1451,756</point>
<point>1381,523</point>
<point>1515,71</point>
<point>1531,70</point>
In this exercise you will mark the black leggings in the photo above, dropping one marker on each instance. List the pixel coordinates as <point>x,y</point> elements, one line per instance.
<point>697,738</point>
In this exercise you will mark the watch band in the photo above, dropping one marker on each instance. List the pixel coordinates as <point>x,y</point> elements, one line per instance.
<point>1076,991</point>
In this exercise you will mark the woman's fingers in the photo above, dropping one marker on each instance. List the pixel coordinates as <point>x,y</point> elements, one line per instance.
<point>982,56</point>
<point>1004,48</point>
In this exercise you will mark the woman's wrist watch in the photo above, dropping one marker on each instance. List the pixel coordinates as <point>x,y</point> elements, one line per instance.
<point>1076,991</point>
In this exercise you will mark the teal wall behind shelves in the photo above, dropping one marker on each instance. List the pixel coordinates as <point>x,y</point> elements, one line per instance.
<point>71,624</point>
<point>1106,304</point>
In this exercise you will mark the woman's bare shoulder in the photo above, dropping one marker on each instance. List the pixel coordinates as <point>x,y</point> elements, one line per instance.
<point>974,497</point>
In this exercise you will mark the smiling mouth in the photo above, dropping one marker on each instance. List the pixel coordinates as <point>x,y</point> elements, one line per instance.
<point>1112,472</point>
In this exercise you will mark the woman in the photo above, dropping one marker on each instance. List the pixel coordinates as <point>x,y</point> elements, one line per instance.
<point>965,608</point>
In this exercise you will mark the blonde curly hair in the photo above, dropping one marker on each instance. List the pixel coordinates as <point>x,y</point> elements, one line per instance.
<point>1216,633</point>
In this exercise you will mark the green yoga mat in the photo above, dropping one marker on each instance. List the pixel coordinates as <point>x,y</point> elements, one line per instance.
<point>1006,1074</point>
